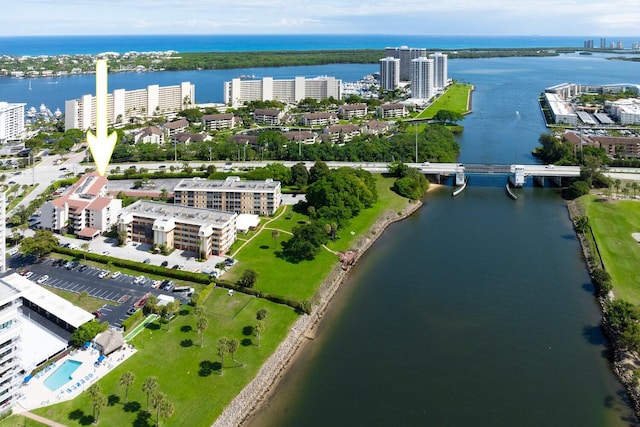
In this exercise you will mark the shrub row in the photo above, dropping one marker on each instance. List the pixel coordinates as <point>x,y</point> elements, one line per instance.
<point>155,175</point>
<point>138,266</point>
<point>133,320</point>
<point>278,299</point>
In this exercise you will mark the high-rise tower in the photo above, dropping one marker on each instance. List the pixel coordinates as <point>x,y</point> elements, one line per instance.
<point>389,73</point>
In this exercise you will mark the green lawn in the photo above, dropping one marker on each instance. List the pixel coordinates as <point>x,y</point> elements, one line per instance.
<point>455,99</point>
<point>301,280</point>
<point>612,224</point>
<point>20,421</point>
<point>187,373</point>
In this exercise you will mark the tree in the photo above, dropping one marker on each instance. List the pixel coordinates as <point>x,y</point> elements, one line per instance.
<point>98,401</point>
<point>157,400</point>
<point>318,171</point>
<point>201,325</point>
<point>261,314</point>
<point>150,386</point>
<point>87,331</point>
<point>223,349</point>
<point>248,279</point>
<point>259,329</point>
<point>166,408</point>
<point>41,244</point>
<point>232,347</point>
<point>582,224</point>
<point>299,175</point>
<point>616,183</point>
<point>126,380</point>
<point>448,117</point>
<point>602,281</point>
<point>275,234</point>
<point>85,248</point>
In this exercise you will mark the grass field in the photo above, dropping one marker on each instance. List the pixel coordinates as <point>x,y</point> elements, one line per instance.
<point>455,99</point>
<point>612,224</point>
<point>190,374</point>
<point>301,280</point>
<point>187,373</point>
<point>20,421</point>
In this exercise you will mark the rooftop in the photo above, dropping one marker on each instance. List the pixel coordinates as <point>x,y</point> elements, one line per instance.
<point>183,214</point>
<point>231,183</point>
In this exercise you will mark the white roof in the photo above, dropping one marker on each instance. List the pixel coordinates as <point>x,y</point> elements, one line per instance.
<point>246,221</point>
<point>52,303</point>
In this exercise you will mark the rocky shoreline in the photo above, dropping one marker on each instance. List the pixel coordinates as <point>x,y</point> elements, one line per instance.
<point>246,403</point>
<point>623,362</point>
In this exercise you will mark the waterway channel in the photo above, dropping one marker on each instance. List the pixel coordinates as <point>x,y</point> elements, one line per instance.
<point>477,310</point>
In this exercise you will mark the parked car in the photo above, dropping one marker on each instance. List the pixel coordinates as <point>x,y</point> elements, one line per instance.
<point>164,263</point>
<point>43,279</point>
<point>28,274</point>
<point>147,261</point>
<point>115,275</point>
<point>103,274</point>
<point>131,311</point>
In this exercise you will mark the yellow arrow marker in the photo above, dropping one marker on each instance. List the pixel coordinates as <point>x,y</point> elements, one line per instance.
<point>101,144</point>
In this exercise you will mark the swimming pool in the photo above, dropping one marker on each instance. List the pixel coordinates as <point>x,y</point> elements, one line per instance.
<point>62,375</point>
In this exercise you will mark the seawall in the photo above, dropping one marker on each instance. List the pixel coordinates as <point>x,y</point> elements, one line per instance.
<point>246,403</point>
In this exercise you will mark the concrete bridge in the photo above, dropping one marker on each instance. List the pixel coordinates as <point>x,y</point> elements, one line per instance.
<point>517,173</point>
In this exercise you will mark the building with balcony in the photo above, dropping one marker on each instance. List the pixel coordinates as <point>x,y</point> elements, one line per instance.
<point>352,111</point>
<point>219,121</point>
<point>271,117</point>
<point>339,134</point>
<point>389,73</point>
<point>11,121</point>
<point>440,69</point>
<point>319,119</point>
<point>422,78</point>
<point>150,135</point>
<point>83,210</point>
<point>405,55</point>
<point>123,105</point>
<point>230,195</point>
<point>203,231</point>
<point>389,111</point>
<point>239,91</point>
<point>10,346</point>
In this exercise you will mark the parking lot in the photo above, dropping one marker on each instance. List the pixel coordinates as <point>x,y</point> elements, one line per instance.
<point>121,291</point>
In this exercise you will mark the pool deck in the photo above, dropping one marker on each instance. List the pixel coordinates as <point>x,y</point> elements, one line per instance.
<point>35,394</point>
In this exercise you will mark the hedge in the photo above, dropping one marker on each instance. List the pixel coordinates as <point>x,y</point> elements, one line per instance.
<point>278,299</point>
<point>138,266</point>
<point>133,320</point>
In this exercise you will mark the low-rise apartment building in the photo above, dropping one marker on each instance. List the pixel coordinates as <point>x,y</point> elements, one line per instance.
<point>83,210</point>
<point>219,121</point>
<point>231,195</point>
<point>389,111</point>
<point>203,231</point>
<point>352,111</point>
<point>319,119</point>
<point>272,117</point>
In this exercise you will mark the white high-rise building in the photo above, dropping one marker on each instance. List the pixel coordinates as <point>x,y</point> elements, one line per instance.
<point>422,78</point>
<point>406,55</point>
<point>11,121</point>
<point>10,357</point>
<point>238,91</point>
<point>125,104</point>
<point>440,73</point>
<point>389,73</point>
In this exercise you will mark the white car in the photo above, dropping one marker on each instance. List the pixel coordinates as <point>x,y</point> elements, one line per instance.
<point>28,274</point>
<point>115,275</point>
<point>103,274</point>
<point>43,279</point>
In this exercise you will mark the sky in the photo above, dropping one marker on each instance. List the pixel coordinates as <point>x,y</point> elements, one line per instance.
<point>417,17</point>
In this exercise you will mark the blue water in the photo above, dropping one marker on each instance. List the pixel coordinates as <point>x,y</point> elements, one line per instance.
<point>62,375</point>
<point>56,45</point>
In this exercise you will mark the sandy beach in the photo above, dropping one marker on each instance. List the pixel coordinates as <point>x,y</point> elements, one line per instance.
<point>257,392</point>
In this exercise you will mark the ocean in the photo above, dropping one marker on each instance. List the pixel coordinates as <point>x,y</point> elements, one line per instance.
<point>72,45</point>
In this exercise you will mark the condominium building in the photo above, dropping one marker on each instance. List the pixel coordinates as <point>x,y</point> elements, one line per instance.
<point>405,55</point>
<point>440,69</point>
<point>389,73</point>
<point>351,111</point>
<point>203,231</point>
<point>389,111</point>
<point>84,210</point>
<point>123,105</point>
<point>238,91</point>
<point>11,121</point>
<point>561,110</point>
<point>626,111</point>
<point>319,119</point>
<point>231,195</point>
<point>219,121</point>
<point>422,78</point>
<point>10,346</point>
<point>272,117</point>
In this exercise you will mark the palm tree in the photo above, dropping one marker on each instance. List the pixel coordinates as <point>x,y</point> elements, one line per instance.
<point>223,349</point>
<point>232,347</point>
<point>201,325</point>
<point>156,401</point>
<point>616,184</point>
<point>259,329</point>
<point>275,234</point>
<point>85,248</point>
<point>98,402</point>
<point>166,408</point>
<point>150,386</point>
<point>126,380</point>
